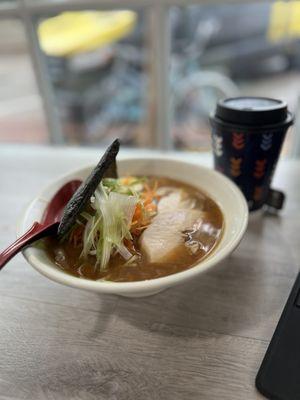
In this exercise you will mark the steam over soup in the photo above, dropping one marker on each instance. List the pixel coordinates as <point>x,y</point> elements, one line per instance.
<point>137,228</point>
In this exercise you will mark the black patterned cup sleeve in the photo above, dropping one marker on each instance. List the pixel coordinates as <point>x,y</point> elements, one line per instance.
<point>248,157</point>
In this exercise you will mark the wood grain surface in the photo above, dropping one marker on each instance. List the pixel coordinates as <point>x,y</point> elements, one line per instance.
<point>201,340</point>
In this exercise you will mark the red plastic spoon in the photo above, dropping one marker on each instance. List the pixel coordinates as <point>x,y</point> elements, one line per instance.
<point>49,224</point>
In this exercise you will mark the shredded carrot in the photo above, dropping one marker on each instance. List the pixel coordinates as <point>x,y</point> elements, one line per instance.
<point>137,212</point>
<point>151,207</point>
<point>147,200</point>
<point>141,228</point>
<point>145,209</point>
<point>129,244</point>
<point>150,193</point>
<point>127,180</point>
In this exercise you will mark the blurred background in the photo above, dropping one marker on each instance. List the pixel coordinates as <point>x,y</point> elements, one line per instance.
<point>150,72</point>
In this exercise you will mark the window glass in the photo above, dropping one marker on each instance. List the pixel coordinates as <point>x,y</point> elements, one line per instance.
<point>97,63</point>
<point>225,50</point>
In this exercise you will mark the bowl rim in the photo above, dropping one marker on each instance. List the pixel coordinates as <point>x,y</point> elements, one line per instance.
<point>46,268</point>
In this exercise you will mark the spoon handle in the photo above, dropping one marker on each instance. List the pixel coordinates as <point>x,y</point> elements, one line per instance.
<point>35,232</point>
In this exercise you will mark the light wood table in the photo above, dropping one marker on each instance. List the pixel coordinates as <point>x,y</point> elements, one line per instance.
<point>202,340</point>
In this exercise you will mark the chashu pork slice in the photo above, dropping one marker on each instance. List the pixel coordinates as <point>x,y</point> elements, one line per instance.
<point>162,240</point>
<point>174,199</point>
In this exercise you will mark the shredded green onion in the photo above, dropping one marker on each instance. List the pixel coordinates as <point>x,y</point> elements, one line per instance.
<point>106,230</point>
<point>107,220</point>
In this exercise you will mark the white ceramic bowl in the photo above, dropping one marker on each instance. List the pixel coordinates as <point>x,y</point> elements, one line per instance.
<point>217,186</point>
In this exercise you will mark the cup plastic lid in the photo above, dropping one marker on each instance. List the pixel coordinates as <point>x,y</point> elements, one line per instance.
<point>253,111</point>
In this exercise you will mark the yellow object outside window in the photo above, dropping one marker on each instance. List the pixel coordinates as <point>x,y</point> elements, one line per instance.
<point>76,32</point>
<point>284,21</point>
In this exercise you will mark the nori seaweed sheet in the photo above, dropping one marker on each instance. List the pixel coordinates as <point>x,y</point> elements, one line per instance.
<point>105,167</point>
<point>112,171</point>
